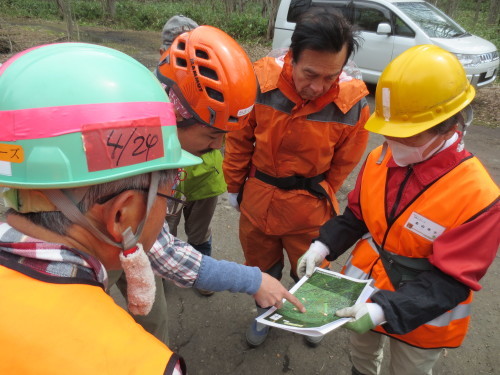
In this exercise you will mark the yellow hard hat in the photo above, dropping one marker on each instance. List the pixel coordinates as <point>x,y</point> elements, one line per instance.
<point>419,89</point>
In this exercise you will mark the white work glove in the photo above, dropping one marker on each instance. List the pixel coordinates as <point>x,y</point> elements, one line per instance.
<point>365,316</point>
<point>312,258</point>
<point>233,201</point>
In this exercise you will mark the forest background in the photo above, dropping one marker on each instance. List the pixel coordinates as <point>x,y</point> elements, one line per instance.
<point>133,27</point>
<point>245,20</point>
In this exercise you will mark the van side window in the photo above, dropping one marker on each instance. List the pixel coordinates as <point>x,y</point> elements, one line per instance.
<point>368,19</point>
<point>402,29</point>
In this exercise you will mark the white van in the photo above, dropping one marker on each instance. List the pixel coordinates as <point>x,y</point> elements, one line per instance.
<point>389,27</point>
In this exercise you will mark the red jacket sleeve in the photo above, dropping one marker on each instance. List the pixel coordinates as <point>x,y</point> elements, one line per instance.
<point>466,252</point>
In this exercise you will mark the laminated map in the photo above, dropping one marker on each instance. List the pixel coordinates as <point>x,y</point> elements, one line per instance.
<point>323,293</point>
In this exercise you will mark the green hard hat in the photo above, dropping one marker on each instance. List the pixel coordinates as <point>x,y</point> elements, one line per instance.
<point>75,114</point>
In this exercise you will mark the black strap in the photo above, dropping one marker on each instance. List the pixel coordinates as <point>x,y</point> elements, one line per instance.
<point>310,184</point>
<point>401,269</point>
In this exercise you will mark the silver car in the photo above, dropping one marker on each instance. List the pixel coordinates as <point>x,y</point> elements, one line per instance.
<point>389,27</point>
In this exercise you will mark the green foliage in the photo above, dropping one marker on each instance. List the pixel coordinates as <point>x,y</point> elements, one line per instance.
<point>248,25</point>
<point>465,14</point>
<point>148,15</point>
<point>480,28</point>
<point>87,11</point>
<point>29,8</point>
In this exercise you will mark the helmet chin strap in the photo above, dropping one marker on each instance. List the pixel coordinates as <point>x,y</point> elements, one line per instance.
<point>141,287</point>
<point>465,122</point>
<point>135,263</point>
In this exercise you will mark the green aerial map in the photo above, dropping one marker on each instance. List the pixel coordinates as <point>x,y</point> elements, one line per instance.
<point>322,294</point>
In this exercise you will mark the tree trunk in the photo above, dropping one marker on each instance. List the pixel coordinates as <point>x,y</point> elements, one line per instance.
<point>452,7</point>
<point>447,6</point>
<point>241,5</point>
<point>493,14</point>
<point>230,6</point>
<point>269,10</point>
<point>64,7</point>
<point>60,8</point>
<point>109,8</point>
<point>478,10</point>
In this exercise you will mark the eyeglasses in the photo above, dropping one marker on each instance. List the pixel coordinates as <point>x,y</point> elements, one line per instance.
<point>175,202</point>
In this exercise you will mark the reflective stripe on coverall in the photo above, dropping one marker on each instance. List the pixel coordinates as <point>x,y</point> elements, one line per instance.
<point>287,136</point>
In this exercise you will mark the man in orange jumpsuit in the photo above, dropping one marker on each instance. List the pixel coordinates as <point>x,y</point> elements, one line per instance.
<point>305,135</point>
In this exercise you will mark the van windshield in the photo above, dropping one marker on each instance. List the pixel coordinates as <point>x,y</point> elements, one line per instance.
<point>435,23</point>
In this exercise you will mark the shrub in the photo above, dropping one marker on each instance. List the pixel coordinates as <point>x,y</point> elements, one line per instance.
<point>247,26</point>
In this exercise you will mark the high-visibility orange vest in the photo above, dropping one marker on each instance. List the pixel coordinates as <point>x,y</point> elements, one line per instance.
<point>447,203</point>
<point>60,329</point>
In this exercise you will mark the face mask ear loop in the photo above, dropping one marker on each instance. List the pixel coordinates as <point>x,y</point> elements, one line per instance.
<point>465,123</point>
<point>141,286</point>
<point>384,151</point>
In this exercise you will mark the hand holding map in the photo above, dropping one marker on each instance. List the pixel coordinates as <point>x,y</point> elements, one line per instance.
<point>322,294</point>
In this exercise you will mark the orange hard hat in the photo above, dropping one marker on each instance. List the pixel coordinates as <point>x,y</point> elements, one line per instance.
<point>212,77</point>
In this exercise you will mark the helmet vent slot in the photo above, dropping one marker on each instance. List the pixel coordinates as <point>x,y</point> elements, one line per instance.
<point>209,73</point>
<point>181,62</point>
<point>181,46</point>
<point>232,119</point>
<point>214,94</point>
<point>202,54</point>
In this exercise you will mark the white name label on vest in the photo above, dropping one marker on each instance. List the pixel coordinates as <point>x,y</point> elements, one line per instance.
<point>424,227</point>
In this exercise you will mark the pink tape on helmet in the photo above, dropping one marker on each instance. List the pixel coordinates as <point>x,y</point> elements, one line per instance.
<point>47,122</point>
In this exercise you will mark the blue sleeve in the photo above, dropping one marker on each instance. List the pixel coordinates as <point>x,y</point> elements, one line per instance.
<point>220,275</point>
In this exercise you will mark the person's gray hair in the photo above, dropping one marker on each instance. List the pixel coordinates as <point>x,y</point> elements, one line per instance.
<point>55,221</point>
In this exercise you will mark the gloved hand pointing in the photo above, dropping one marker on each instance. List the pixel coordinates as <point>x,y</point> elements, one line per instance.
<point>312,258</point>
<point>365,316</point>
<point>233,201</point>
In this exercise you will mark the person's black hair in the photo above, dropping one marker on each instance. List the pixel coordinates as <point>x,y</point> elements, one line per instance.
<point>445,126</point>
<point>323,29</point>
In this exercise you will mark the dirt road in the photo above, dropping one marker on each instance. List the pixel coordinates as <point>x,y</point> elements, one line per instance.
<point>209,332</point>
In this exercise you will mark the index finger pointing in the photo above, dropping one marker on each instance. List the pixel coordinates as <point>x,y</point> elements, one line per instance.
<point>295,301</point>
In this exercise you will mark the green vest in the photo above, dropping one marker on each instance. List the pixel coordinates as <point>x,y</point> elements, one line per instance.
<point>204,180</point>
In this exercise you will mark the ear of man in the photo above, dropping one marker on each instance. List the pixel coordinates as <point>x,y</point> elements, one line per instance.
<point>125,210</point>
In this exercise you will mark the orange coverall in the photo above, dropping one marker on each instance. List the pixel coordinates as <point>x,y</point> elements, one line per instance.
<point>288,136</point>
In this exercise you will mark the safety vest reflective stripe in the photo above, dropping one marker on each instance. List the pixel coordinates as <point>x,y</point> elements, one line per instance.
<point>459,312</point>
<point>467,189</point>
<point>353,271</point>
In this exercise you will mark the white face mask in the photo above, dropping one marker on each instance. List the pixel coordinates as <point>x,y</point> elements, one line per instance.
<point>405,155</point>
